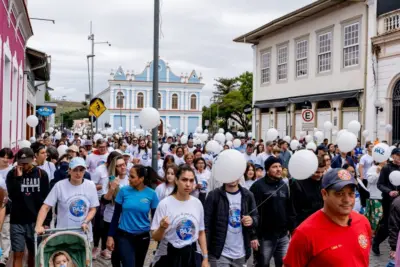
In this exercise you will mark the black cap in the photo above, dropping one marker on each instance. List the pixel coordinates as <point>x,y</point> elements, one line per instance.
<point>25,155</point>
<point>337,178</point>
<point>396,151</point>
<point>322,147</point>
<point>270,161</point>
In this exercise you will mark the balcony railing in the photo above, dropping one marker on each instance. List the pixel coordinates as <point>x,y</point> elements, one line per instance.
<point>389,22</point>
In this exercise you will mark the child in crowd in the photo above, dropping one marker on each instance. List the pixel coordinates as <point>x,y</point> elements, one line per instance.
<point>61,259</point>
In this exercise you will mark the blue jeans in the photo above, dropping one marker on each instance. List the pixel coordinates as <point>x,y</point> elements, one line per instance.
<point>132,248</point>
<point>391,263</point>
<point>274,247</point>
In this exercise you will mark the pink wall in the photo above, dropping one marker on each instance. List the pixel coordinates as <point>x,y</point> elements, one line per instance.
<point>16,47</point>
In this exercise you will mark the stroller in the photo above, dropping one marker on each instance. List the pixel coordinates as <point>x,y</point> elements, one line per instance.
<point>69,241</point>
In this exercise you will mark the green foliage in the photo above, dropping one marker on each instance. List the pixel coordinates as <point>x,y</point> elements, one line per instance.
<point>69,117</point>
<point>230,98</point>
<point>47,96</point>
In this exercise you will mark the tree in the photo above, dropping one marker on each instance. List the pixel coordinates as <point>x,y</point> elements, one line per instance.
<point>245,81</point>
<point>233,104</point>
<point>224,86</point>
<point>47,96</point>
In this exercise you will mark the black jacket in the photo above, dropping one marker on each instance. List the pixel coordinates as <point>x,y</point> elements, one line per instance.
<point>394,223</point>
<point>27,193</point>
<point>306,197</point>
<point>383,182</point>
<point>62,173</point>
<point>216,216</point>
<point>277,215</point>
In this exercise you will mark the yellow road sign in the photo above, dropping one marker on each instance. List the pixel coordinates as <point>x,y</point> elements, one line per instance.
<point>97,108</point>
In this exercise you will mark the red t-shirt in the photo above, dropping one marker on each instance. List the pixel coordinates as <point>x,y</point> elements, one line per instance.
<point>318,241</point>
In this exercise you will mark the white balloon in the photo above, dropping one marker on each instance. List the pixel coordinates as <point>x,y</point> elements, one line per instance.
<point>120,128</point>
<point>319,135</point>
<point>381,152</point>
<point>340,133</point>
<point>203,137</point>
<point>212,146</point>
<point>250,134</point>
<point>228,136</point>
<point>294,144</point>
<point>328,126</point>
<point>32,139</point>
<point>184,139</point>
<point>237,143</point>
<point>308,138</point>
<point>365,133</point>
<point>220,138</point>
<point>229,143</point>
<point>229,166</point>
<point>97,137</point>
<point>388,128</point>
<point>394,178</point>
<point>32,120</point>
<point>173,131</point>
<point>302,134</point>
<point>197,141</point>
<point>303,164</point>
<point>57,136</point>
<point>315,129</point>
<point>199,130</point>
<point>354,126</point>
<point>220,130</point>
<point>62,150</point>
<point>287,139</point>
<point>24,144</point>
<point>149,118</point>
<point>311,146</point>
<point>334,132</point>
<point>84,137</point>
<point>109,131</point>
<point>165,148</point>
<point>50,130</point>
<point>272,134</point>
<point>347,141</point>
<point>168,126</point>
<point>206,131</point>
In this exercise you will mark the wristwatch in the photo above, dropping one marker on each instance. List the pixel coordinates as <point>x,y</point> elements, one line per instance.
<point>205,256</point>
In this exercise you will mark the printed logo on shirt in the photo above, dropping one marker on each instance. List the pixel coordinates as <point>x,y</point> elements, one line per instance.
<point>101,162</point>
<point>344,175</point>
<point>185,229</point>
<point>144,200</point>
<point>78,207</point>
<point>145,156</point>
<point>234,217</point>
<point>250,161</point>
<point>363,241</point>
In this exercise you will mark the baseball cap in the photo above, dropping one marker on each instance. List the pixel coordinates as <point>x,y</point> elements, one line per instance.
<point>337,178</point>
<point>396,151</point>
<point>25,155</point>
<point>76,162</point>
<point>258,167</point>
<point>126,154</point>
<point>73,148</point>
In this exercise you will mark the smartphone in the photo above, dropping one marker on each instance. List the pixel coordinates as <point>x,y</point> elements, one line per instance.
<point>111,178</point>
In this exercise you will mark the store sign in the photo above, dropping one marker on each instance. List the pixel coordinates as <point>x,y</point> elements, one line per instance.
<point>45,111</point>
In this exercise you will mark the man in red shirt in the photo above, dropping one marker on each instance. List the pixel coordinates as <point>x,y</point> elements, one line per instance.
<point>335,235</point>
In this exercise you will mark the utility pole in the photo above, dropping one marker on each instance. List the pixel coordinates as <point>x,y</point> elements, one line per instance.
<point>91,79</point>
<point>154,150</point>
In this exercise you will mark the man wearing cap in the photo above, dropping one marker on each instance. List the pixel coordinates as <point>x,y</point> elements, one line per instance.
<point>285,154</point>
<point>276,214</point>
<point>335,235</point>
<point>89,146</point>
<point>389,193</point>
<point>27,188</point>
<point>73,151</point>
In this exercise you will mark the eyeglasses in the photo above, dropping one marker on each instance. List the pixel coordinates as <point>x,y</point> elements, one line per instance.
<point>121,165</point>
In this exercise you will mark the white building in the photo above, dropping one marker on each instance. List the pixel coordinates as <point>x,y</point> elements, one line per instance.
<point>317,54</point>
<point>384,69</point>
<point>179,99</point>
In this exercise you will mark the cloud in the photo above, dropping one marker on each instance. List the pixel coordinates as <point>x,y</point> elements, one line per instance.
<point>195,35</point>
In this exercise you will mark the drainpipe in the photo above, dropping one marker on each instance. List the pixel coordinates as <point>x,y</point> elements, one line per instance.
<point>365,70</point>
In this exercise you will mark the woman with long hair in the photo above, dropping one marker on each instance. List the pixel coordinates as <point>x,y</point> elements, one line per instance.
<point>178,225</point>
<point>169,159</point>
<point>143,154</point>
<point>259,148</point>
<point>165,189</point>
<point>189,157</point>
<point>332,150</point>
<point>118,178</point>
<point>179,159</point>
<point>250,175</point>
<point>129,233</point>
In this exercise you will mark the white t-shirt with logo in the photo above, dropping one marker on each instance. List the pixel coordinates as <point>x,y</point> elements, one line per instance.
<point>145,158</point>
<point>49,168</point>
<point>93,161</point>
<point>234,245</point>
<point>186,220</point>
<point>109,209</point>
<point>252,158</point>
<point>367,161</point>
<point>73,202</point>
<point>179,160</point>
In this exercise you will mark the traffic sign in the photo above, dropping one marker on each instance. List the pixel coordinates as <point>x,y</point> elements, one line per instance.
<point>308,117</point>
<point>247,109</point>
<point>97,107</point>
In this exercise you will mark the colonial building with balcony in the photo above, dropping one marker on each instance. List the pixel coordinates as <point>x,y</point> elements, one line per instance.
<point>383,99</point>
<point>313,57</point>
<point>179,99</point>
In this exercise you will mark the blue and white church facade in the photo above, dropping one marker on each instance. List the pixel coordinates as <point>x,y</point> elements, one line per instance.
<point>179,99</point>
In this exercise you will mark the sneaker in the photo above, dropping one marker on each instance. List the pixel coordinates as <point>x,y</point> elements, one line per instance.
<point>106,254</point>
<point>95,253</point>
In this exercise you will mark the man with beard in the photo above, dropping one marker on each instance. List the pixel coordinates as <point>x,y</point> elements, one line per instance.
<point>229,226</point>
<point>335,235</point>
<point>306,194</point>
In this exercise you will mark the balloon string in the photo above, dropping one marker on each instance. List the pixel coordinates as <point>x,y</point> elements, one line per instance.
<point>267,198</point>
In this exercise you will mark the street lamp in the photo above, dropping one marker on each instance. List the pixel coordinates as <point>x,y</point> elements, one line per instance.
<point>378,107</point>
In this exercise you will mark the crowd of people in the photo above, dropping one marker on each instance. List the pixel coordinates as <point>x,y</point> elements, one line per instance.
<point>108,188</point>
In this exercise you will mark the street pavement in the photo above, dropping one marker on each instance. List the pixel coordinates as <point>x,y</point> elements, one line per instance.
<point>375,261</point>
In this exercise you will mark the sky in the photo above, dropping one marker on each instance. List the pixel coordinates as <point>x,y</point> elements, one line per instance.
<point>194,35</point>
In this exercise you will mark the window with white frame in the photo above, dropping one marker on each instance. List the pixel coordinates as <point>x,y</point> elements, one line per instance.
<point>351,46</point>
<point>282,62</point>
<point>325,52</point>
<point>266,67</point>
<point>301,58</point>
